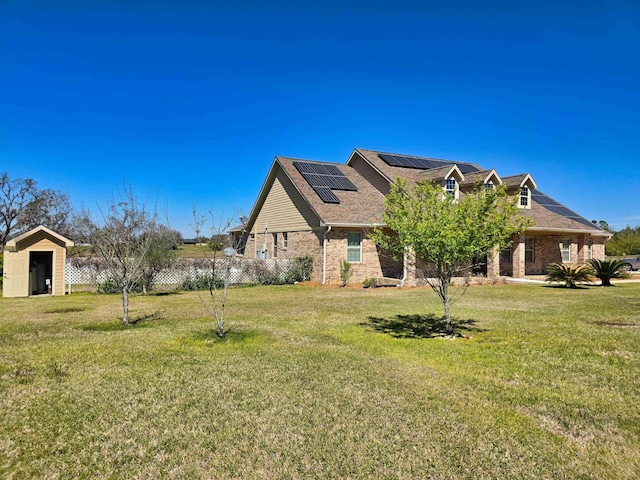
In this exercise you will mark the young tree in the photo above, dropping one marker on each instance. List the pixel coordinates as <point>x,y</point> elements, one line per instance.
<point>221,262</point>
<point>161,254</point>
<point>123,242</point>
<point>441,236</point>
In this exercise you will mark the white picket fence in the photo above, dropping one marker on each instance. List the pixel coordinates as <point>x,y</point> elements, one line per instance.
<point>243,271</point>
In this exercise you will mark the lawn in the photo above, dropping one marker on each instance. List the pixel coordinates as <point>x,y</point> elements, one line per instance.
<point>324,383</point>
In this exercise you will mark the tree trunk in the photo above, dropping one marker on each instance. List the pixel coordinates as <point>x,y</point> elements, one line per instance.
<point>125,306</point>
<point>447,312</point>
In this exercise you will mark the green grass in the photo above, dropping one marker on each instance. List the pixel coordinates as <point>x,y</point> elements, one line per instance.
<point>324,383</point>
<point>195,251</point>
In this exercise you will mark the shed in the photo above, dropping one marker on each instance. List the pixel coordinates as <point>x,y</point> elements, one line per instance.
<point>34,263</point>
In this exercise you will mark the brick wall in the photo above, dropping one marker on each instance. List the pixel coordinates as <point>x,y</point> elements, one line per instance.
<point>372,264</point>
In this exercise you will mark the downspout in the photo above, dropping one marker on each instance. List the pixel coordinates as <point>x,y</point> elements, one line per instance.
<point>324,256</point>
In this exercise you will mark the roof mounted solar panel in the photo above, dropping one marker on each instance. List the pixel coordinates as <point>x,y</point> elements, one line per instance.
<point>324,178</point>
<point>557,208</point>
<point>326,194</point>
<point>423,163</point>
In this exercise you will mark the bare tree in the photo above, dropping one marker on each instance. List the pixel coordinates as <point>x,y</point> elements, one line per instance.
<point>15,196</point>
<point>24,206</point>
<point>123,241</point>
<point>50,208</point>
<point>221,263</point>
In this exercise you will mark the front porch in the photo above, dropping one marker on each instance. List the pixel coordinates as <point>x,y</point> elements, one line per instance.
<point>530,253</point>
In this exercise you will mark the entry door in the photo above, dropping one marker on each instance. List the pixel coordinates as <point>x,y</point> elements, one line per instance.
<point>16,274</point>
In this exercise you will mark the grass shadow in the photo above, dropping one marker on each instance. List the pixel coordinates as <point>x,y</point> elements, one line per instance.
<point>210,337</point>
<point>67,310</point>
<point>420,326</point>
<point>578,287</point>
<point>134,322</point>
<point>166,294</point>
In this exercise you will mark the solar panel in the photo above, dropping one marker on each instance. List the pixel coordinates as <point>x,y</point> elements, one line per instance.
<point>557,208</point>
<point>423,163</point>
<point>323,178</point>
<point>326,194</point>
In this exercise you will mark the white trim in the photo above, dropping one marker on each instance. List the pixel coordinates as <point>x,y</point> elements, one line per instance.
<point>568,231</point>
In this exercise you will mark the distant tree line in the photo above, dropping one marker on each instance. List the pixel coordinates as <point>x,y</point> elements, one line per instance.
<point>624,243</point>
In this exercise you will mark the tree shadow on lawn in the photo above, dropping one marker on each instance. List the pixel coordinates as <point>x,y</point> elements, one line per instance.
<point>421,326</point>
<point>141,321</point>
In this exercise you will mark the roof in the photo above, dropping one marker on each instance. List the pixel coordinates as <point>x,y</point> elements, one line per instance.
<point>520,180</point>
<point>483,176</point>
<point>411,175</point>
<point>361,207</point>
<point>11,244</point>
<point>364,206</point>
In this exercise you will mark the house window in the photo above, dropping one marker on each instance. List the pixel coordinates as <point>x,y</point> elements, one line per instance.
<point>450,187</point>
<point>275,245</point>
<point>529,250</point>
<point>285,239</point>
<point>488,186</point>
<point>505,255</point>
<point>524,197</point>
<point>354,247</point>
<point>566,250</point>
<point>589,249</point>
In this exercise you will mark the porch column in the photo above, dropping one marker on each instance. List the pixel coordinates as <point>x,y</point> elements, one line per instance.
<point>493,263</point>
<point>518,256</point>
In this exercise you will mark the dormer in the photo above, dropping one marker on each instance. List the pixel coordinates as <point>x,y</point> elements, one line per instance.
<point>449,177</point>
<point>521,185</point>
<point>488,178</point>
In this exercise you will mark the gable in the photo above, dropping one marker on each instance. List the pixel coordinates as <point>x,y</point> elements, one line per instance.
<point>284,209</point>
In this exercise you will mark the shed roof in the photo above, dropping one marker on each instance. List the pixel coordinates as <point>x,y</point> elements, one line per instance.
<point>12,244</point>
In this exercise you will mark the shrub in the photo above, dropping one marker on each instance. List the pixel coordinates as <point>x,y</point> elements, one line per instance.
<point>346,270</point>
<point>571,275</point>
<point>300,269</point>
<point>605,270</point>
<point>370,282</point>
<point>110,287</point>
<point>201,281</point>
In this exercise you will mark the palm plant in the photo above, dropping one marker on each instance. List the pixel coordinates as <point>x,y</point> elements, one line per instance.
<point>605,270</point>
<point>571,275</point>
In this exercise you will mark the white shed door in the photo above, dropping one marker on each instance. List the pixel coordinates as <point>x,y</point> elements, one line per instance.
<point>16,274</point>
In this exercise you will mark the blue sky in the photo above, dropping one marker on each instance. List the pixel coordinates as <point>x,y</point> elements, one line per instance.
<point>190,101</point>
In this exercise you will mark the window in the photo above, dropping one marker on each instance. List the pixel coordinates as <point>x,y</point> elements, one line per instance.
<point>488,186</point>
<point>528,250</point>
<point>524,197</point>
<point>275,245</point>
<point>566,250</point>
<point>505,255</point>
<point>450,187</point>
<point>354,247</point>
<point>285,239</point>
<point>589,249</point>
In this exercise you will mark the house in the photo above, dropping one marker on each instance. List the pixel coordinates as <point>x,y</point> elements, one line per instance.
<point>34,263</point>
<point>325,210</point>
